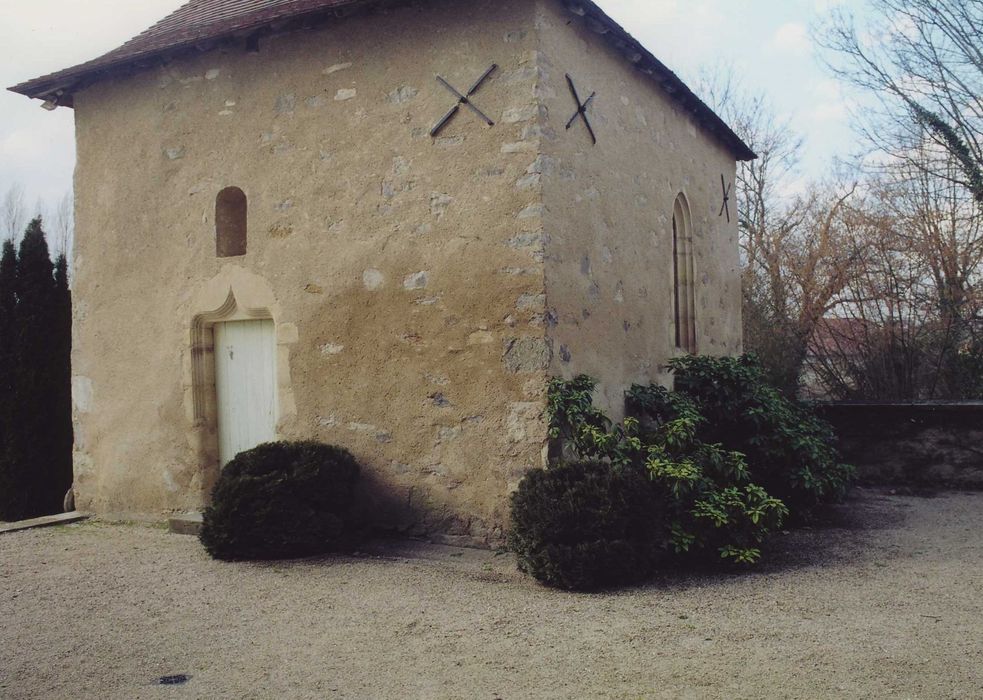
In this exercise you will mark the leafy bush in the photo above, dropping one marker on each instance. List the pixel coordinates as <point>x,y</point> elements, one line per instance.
<point>586,525</point>
<point>281,500</point>
<point>581,429</point>
<point>650,489</point>
<point>715,509</point>
<point>790,451</point>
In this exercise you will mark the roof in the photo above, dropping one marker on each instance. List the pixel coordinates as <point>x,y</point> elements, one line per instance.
<point>200,24</point>
<point>838,335</point>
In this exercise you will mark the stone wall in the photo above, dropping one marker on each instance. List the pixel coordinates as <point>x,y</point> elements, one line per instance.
<point>395,266</point>
<point>422,289</point>
<point>931,445</point>
<point>608,217</point>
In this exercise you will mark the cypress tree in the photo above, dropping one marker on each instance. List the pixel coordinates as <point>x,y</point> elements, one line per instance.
<point>62,377</point>
<point>9,482</point>
<point>34,448</point>
<point>35,379</point>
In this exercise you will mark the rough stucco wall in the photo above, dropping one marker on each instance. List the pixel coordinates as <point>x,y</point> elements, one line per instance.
<point>422,289</point>
<point>404,273</point>
<point>608,216</point>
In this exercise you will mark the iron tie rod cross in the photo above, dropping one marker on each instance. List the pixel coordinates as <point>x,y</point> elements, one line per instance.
<point>725,207</point>
<point>465,100</point>
<point>581,109</point>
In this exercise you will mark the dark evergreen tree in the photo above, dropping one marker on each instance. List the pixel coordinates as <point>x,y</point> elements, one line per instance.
<point>29,439</point>
<point>9,484</point>
<point>62,374</point>
<point>36,444</point>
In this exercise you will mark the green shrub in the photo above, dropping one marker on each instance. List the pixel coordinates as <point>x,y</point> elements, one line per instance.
<point>715,509</point>
<point>693,499</point>
<point>586,525</point>
<point>581,429</point>
<point>790,451</point>
<point>716,466</point>
<point>281,500</point>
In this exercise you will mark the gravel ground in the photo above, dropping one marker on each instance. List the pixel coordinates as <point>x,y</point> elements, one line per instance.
<point>883,601</point>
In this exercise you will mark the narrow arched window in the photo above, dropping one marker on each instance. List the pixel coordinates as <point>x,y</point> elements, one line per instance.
<point>230,223</point>
<point>683,277</point>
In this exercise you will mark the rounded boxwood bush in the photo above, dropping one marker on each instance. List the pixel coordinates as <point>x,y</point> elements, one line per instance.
<point>587,525</point>
<point>281,500</point>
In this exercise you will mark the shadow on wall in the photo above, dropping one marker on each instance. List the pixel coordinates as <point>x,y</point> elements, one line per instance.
<point>379,506</point>
<point>383,511</point>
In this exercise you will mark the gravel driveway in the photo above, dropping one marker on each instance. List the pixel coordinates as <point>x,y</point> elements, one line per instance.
<point>884,601</point>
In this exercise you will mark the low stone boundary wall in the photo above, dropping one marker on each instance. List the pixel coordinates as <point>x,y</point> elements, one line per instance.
<point>918,444</point>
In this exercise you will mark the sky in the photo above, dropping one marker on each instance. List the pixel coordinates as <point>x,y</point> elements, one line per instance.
<point>767,42</point>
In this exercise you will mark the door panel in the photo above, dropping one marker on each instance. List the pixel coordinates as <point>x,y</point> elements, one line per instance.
<point>245,385</point>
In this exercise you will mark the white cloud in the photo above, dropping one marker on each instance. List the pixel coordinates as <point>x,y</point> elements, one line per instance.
<point>826,112</point>
<point>792,38</point>
<point>37,151</point>
<point>684,35</point>
<point>636,12</point>
<point>791,187</point>
<point>832,105</point>
<point>828,90</point>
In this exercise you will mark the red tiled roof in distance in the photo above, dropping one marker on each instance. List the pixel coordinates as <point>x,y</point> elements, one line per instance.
<point>202,21</point>
<point>846,336</point>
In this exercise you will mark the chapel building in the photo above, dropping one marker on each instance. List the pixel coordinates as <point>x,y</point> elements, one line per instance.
<point>382,225</point>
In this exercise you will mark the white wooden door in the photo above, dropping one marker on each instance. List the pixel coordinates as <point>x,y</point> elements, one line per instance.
<point>245,384</point>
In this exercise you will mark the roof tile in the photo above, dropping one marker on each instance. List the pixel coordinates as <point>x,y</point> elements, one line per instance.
<point>195,22</point>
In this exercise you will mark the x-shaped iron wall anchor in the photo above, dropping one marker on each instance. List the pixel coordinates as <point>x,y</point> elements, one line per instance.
<point>725,207</point>
<point>464,100</point>
<point>581,109</point>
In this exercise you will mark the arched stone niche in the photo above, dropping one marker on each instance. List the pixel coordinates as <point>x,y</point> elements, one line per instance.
<point>234,294</point>
<point>684,277</point>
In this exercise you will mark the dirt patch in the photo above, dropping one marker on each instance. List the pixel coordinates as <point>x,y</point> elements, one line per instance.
<point>883,600</point>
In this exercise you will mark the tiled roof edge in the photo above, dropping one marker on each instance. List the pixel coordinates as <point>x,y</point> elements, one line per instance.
<point>598,21</point>
<point>150,46</point>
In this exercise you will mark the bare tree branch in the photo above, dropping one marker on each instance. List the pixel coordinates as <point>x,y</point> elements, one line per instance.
<point>13,213</point>
<point>922,61</point>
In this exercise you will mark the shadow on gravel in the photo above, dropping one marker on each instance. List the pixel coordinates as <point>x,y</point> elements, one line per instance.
<point>866,509</point>
<point>841,536</point>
